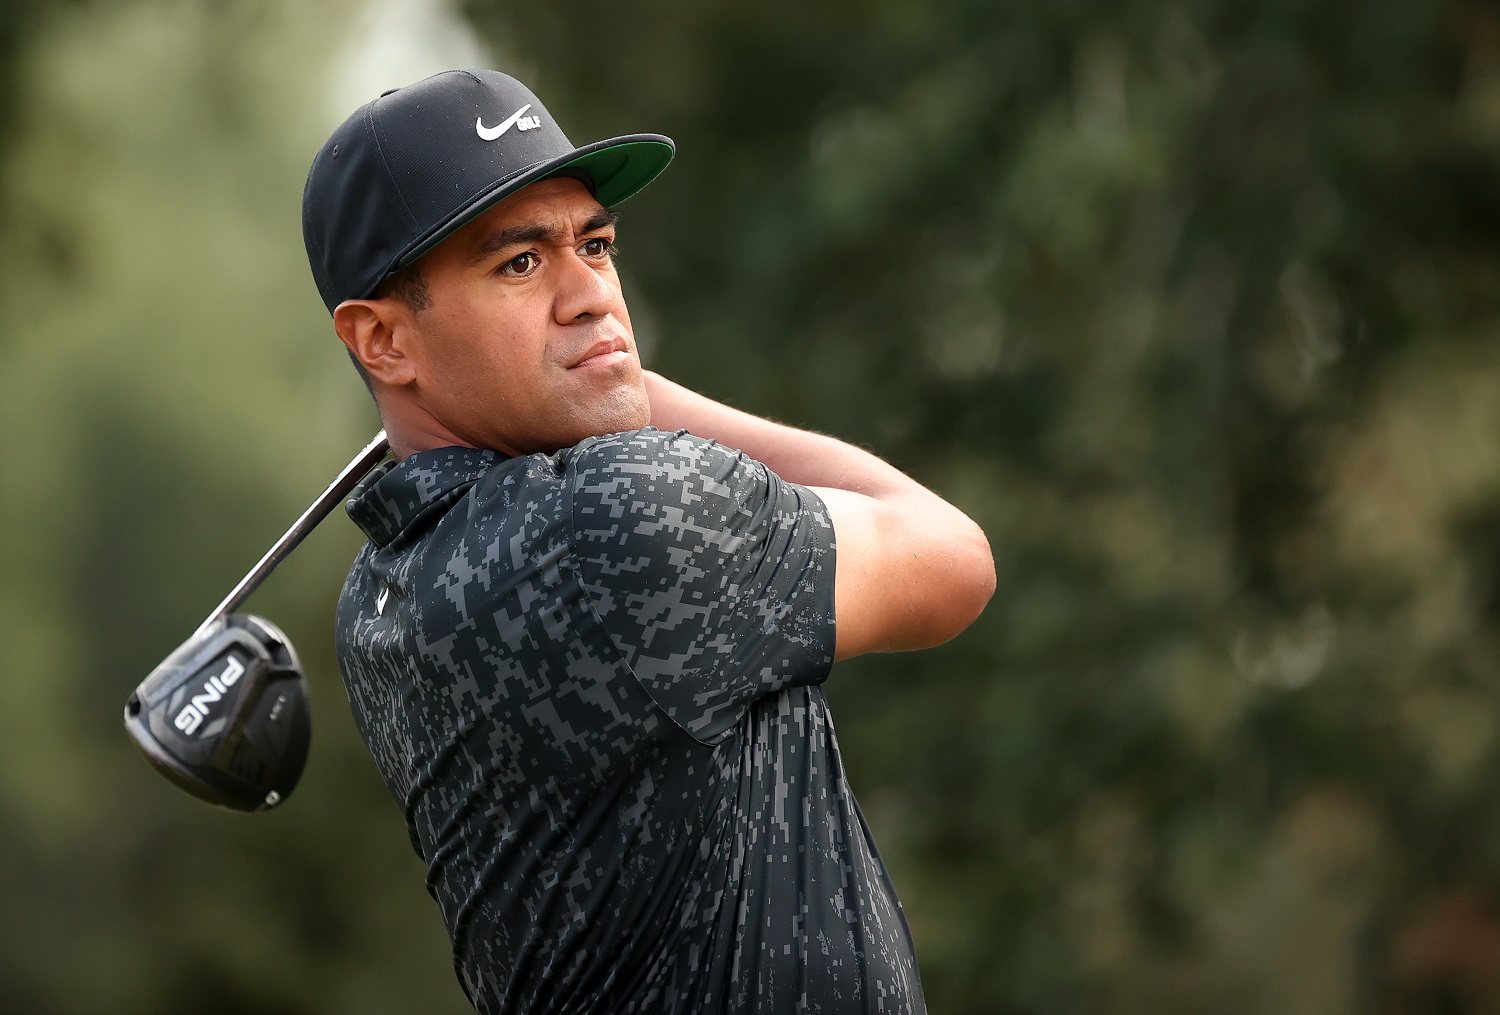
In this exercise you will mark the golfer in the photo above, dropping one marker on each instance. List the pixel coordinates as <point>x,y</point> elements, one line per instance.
<point>585,639</point>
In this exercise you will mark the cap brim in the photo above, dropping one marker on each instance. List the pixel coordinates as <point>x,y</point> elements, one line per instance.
<point>619,168</point>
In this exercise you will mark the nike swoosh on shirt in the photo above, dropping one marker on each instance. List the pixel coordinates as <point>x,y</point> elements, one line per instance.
<point>490,133</point>
<point>380,601</point>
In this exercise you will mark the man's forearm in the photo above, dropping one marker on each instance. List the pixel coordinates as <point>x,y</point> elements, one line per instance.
<point>795,455</point>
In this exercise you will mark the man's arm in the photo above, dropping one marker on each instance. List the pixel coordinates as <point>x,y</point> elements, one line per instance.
<point>913,570</point>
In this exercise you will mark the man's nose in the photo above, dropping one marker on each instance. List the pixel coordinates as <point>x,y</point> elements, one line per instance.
<point>584,292</point>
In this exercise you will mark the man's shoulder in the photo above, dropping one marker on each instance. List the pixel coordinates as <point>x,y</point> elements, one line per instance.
<point>650,447</point>
<point>644,472</point>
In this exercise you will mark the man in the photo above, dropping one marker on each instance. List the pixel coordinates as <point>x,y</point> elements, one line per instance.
<point>585,638</point>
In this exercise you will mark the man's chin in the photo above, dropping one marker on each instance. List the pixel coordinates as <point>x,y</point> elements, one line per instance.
<point>622,409</point>
<point>625,409</point>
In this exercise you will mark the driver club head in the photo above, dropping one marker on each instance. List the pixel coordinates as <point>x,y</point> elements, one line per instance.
<point>226,716</point>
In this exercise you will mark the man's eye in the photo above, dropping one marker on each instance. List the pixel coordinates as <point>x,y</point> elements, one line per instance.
<point>599,247</point>
<point>521,264</point>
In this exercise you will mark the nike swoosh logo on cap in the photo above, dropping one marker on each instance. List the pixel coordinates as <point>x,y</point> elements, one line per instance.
<point>490,133</point>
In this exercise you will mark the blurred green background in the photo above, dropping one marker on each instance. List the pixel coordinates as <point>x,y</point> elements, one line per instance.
<point>1192,305</point>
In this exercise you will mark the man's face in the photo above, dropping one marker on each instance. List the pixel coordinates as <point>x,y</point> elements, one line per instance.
<point>525,344</point>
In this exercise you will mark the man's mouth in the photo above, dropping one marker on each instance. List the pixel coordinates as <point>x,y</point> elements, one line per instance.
<point>606,353</point>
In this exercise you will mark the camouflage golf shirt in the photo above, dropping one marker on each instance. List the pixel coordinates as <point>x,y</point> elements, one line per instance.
<point>591,681</point>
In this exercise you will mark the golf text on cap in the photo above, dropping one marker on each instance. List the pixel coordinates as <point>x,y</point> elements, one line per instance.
<point>521,123</point>
<point>214,689</point>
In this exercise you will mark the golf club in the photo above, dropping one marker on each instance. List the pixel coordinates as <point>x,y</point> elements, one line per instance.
<point>225,716</point>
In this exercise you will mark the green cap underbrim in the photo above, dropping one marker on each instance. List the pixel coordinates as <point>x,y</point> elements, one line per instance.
<point>623,170</point>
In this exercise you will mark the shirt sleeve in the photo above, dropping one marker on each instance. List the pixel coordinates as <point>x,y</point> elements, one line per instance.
<point>712,575</point>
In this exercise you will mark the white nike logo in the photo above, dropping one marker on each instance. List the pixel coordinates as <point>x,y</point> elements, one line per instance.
<point>490,133</point>
<point>380,601</point>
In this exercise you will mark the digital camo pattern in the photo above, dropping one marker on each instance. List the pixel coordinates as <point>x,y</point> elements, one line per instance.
<point>591,682</point>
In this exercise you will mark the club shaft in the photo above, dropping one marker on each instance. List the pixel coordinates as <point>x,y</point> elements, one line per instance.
<point>337,490</point>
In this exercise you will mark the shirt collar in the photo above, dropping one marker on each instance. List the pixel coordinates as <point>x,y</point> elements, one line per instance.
<point>395,494</point>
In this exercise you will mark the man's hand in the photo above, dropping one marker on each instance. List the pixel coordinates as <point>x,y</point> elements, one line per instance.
<point>912,569</point>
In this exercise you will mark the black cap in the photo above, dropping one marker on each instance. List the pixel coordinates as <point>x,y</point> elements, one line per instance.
<point>409,168</point>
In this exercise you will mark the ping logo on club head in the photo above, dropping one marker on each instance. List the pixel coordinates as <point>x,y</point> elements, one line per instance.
<point>195,712</point>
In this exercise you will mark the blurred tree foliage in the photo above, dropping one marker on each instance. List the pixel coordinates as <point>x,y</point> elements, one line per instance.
<point>1193,306</point>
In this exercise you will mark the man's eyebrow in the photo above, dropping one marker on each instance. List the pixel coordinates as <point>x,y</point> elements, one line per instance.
<point>517,235</point>
<point>602,218</point>
<point>496,242</point>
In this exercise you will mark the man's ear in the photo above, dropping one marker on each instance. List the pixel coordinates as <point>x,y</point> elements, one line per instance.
<point>378,334</point>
